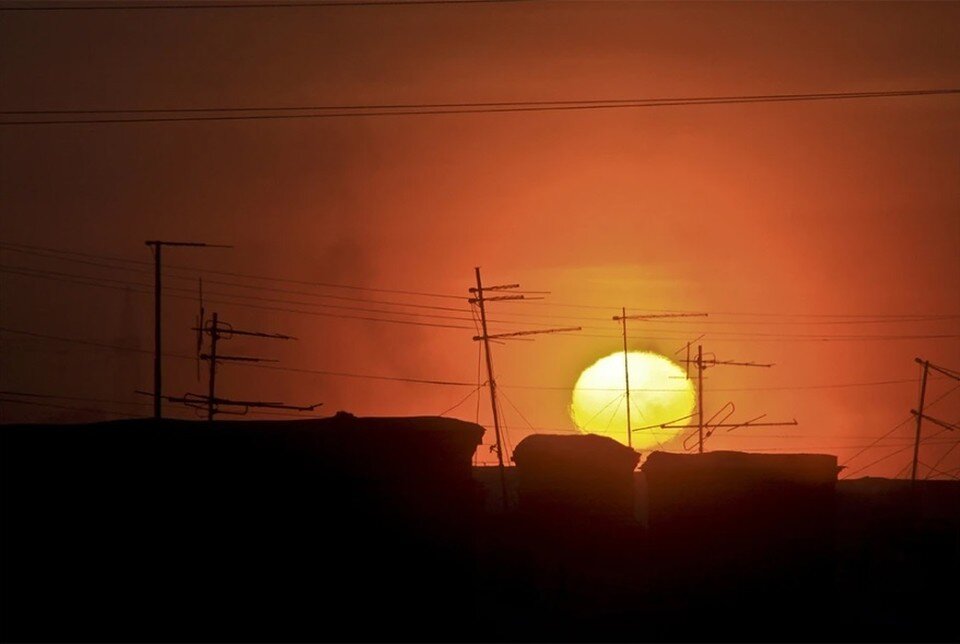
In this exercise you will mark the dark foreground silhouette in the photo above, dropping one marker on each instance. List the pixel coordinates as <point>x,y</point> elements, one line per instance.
<point>379,529</point>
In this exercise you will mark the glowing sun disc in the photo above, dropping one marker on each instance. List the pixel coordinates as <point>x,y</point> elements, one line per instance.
<point>659,393</point>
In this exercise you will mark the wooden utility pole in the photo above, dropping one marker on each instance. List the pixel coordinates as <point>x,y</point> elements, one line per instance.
<point>157,245</point>
<point>916,440</point>
<point>622,318</point>
<point>491,382</point>
<point>918,412</point>
<point>480,299</point>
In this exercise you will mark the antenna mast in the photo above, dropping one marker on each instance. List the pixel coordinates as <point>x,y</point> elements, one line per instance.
<point>622,318</point>
<point>157,246</point>
<point>702,364</point>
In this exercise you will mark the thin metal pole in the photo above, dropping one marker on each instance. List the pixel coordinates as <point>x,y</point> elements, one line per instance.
<point>626,375</point>
<point>214,335</point>
<point>916,440</point>
<point>493,387</point>
<point>700,395</point>
<point>157,373</point>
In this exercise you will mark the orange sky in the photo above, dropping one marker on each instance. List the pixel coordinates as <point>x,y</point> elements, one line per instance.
<point>843,207</point>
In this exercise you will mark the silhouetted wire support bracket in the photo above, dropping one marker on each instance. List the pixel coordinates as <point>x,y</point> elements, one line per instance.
<point>936,421</point>
<point>516,334</point>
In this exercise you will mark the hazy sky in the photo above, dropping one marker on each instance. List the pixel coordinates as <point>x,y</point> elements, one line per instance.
<point>753,213</point>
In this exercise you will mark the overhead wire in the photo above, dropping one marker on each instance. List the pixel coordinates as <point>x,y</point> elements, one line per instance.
<point>741,337</point>
<point>168,115</point>
<point>194,269</point>
<point>256,4</point>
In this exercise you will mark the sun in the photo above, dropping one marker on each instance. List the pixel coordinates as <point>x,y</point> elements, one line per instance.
<point>659,393</point>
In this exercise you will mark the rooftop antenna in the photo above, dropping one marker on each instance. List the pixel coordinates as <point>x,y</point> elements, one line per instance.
<point>702,364</point>
<point>622,318</point>
<point>480,299</point>
<point>157,246</point>
<point>214,404</point>
<point>217,331</point>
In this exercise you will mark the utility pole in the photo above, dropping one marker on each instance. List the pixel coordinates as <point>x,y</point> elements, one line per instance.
<point>916,440</point>
<point>157,246</point>
<point>480,299</point>
<point>622,318</point>
<point>918,412</point>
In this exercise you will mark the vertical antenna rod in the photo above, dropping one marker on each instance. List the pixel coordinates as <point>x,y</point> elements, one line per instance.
<point>157,375</point>
<point>493,385</point>
<point>214,335</point>
<point>700,396</point>
<point>626,375</point>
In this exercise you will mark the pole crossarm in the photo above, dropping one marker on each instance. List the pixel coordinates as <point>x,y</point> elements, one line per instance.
<point>935,421</point>
<point>497,336</point>
<point>226,331</point>
<point>200,401</point>
<point>735,425</point>
<point>205,356</point>
<point>499,298</point>
<point>157,242</point>
<point>950,373</point>
<point>657,316</point>
<point>732,363</point>
<point>270,405</point>
<point>499,287</point>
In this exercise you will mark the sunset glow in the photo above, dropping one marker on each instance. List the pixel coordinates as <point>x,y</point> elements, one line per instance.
<point>659,393</point>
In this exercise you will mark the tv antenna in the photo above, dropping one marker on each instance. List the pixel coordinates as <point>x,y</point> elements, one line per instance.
<point>622,318</point>
<point>702,364</point>
<point>216,331</point>
<point>157,246</point>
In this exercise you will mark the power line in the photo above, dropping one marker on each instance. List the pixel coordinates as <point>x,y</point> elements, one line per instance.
<point>96,410</point>
<point>840,318</point>
<point>282,4</point>
<point>445,382</point>
<point>894,453</point>
<point>321,372</point>
<point>168,115</point>
<point>194,269</point>
<point>901,424</point>
<point>676,334</point>
<point>39,274</point>
<point>392,303</point>
<point>605,307</point>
